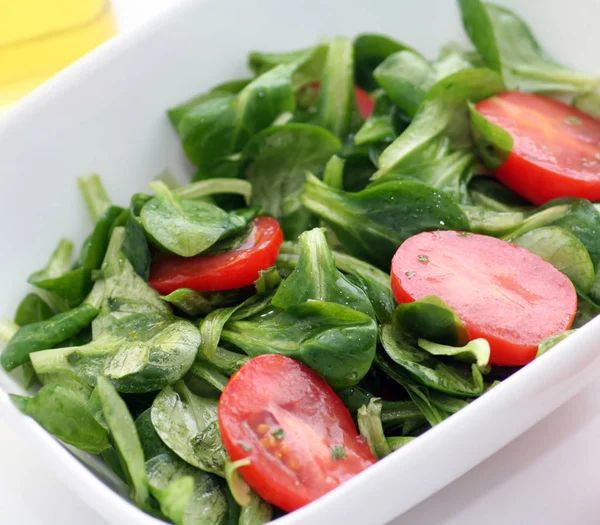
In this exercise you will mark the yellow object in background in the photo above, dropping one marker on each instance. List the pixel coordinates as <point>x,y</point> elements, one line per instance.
<point>38,38</point>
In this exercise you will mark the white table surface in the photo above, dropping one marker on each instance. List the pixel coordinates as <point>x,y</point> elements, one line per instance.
<point>548,476</point>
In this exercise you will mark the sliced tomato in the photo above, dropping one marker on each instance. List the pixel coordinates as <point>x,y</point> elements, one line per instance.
<point>556,150</point>
<point>297,433</point>
<point>226,271</point>
<point>501,292</point>
<point>364,101</point>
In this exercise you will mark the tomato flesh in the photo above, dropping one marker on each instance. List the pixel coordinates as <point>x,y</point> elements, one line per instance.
<point>501,292</point>
<point>226,271</point>
<point>365,103</point>
<point>294,429</point>
<point>556,151</point>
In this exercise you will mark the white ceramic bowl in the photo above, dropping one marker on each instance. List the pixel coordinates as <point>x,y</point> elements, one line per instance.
<point>106,114</point>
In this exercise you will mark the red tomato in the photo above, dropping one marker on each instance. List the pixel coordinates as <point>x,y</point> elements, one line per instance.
<point>501,292</point>
<point>297,433</point>
<point>365,103</point>
<point>556,150</point>
<point>226,271</point>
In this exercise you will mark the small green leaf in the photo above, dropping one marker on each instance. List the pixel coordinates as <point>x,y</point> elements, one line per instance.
<point>551,342</point>
<point>239,488</point>
<point>369,424</point>
<point>476,351</point>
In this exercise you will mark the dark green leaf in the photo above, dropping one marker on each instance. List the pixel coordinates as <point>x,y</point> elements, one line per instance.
<point>456,379</point>
<point>316,277</point>
<point>32,309</point>
<point>564,251</point>
<point>335,101</point>
<point>126,440</point>
<point>188,425</point>
<point>279,158</point>
<point>369,51</point>
<point>371,224</point>
<point>508,46</point>
<point>186,227</point>
<point>151,443</point>
<point>197,304</point>
<point>94,247</point>
<point>431,318</point>
<point>335,341</point>
<point>187,496</point>
<point>64,414</point>
<point>43,335</point>
<point>220,127</point>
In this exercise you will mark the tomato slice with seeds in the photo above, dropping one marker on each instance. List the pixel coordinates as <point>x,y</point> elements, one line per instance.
<point>226,271</point>
<point>556,151</point>
<point>297,433</point>
<point>501,292</point>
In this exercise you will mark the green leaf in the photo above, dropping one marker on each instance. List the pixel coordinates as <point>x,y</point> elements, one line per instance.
<point>32,309</point>
<point>493,143</point>
<point>257,512</point>
<point>95,196</point>
<point>490,194</point>
<point>151,443</point>
<point>396,442</point>
<point>335,341</point>
<point>196,304</point>
<point>187,496</point>
<point>509,47</point>
<point>335,101</point>
<point>233,87</point>
<point>188,425</point>
<point>316,277</point>
<point>186,227</point>
<point>204,188</point>
<point>334,172</point>
<point>370,427</point>
<point>223,360</point>
<point>476,351</point>
<point>64,414</point>
<point>94,247</point>
<point>43,335</point>
<point>551,342</point>
<point>587,310</point>
<point>222,126</point>
<point>369,51</point>
<point>588,103</point>
<point>279,158</point>
<point>310,63</point>
<point>379,127</point>
<point>431,318</point>
<point>126,441</point>
<point>240,490</point>
<point>563,250</point>
<point>456,379</point>
<point>441,120</point>
<point>382,216</point>
<point>210,373</point>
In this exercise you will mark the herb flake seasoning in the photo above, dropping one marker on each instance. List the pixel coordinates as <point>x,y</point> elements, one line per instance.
<point>423,258</point>
<point>278,434</point>
<point>338,452</point>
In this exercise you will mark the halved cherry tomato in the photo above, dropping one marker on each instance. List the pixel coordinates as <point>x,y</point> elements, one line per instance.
<point>226,271</point>
<point>556,150</point>
<point>501,292</point>
<point>365,103</point>
<point>297,433</point>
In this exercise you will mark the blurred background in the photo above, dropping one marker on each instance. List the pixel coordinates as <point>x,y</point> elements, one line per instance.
<point>38,38</point>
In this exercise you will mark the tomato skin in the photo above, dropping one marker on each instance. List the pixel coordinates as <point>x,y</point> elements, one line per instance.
<point>296,466</point>
<point>556,151</point>
<point>500,291</point>
<point>226,271</point>
<point>365,103</point>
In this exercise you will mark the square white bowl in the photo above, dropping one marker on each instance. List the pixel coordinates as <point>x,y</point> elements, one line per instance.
<point>106,114</point>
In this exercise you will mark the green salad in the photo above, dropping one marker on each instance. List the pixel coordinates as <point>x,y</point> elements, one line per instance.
<point>371,241</point>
